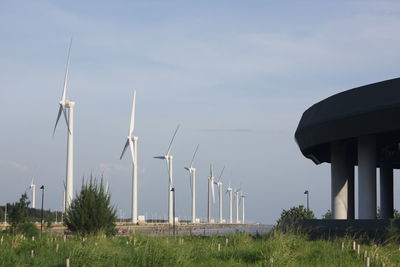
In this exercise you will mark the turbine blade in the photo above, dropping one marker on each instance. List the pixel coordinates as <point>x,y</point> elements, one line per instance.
<point>159,157</point>
<point>132,124</point>
<point>172,140</point>
<point>222,172</point>
<point>66,119</point>
<point>58,118</point>
<point>125,147</point>
<point>64,95</point>
<point>186,168</point>
<point>191,163</point>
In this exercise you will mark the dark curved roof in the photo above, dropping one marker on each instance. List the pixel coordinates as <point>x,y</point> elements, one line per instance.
<point>370,109</point>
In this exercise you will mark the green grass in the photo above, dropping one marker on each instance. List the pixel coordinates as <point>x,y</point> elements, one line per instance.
<point>140,250</point>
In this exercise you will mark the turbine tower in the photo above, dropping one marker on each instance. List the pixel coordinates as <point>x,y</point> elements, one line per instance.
<point>229,191</point>
<point>64,105</point>
<point>210,190</point>
<point>242,197</point>
<point>237,205</point>
<point>33,188</point>
<point>219,187</point>
<point>192,173</point>
<point>168,157</point>
<point>132,143</point>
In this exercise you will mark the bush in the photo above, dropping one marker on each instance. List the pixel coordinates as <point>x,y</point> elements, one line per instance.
<point>28,229</point>
<point>290,217</point>
<point>18,213</point>
<point>90,212</point>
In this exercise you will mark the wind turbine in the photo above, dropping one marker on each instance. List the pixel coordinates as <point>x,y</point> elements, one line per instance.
<point>210,188</point>
<point>132,143</point>
<point>242,197</point>
<point>219,186</point>
<point>237,204</point>
<point>64,105</point>
<point>229,191</point>
<point>33,188</point>
<point>168,157</point>
<point>192,172</point>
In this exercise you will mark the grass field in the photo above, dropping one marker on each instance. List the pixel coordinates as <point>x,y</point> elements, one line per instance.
<point>235,250</point>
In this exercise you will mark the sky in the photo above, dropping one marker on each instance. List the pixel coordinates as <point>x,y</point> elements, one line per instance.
<point>236,75</point>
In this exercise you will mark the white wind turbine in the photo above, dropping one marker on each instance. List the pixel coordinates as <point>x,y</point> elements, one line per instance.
<point>132,143</point>
<point>210,190</point>
<point>237,204</point>
<point>64,104</point>
<point>192,172</point>
<point>168,157</point>
<point>229,192</point>
<point>242,198</point>
<point>33,188</point>
<point>219,186</point>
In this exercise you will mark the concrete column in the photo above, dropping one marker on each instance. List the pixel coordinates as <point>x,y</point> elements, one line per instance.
<point>339,185</point>
<point>350,191</point>
<point>367,177</point>
<point>386,180</point>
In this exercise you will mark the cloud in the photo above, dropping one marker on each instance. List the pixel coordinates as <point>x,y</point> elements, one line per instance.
<point>14,165</point>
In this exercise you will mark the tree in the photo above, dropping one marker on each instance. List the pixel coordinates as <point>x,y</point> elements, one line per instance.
<point>327,215</point>
<point>18,213</point>
<point>19,219</point>
<point>293,215</point>
<point>90,212</point>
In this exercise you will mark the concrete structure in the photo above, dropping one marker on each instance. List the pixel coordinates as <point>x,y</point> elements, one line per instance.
<point>359,127</point>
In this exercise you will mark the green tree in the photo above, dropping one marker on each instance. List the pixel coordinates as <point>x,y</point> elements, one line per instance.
<point>327,215</point>
<point>19,219</point>
<point>90,212</point>
<point>290,217</point>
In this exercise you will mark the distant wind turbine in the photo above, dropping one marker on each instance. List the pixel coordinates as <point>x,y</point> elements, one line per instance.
<point>33,188</point>
<point>192,172</point>
<point>229,191</point>
<point>237,204</point>
<point>242,197</point>
<point>168,157</point>
<point>210,190</point>
<point>132,143</point>
<point>219,186</point>
<point>64,104</point>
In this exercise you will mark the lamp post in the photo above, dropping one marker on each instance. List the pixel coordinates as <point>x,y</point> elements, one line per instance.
<point>308,199</point>
<point>173,209</point>
<point>41,221</point>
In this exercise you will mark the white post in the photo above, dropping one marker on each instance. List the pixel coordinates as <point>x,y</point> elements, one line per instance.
<point>339,185</point>
<point>367,177</point>
<point>134,182</point>
<point>170,195</point>
<point>193,195</point>
<point>70,154</point>
<point>386,181</point>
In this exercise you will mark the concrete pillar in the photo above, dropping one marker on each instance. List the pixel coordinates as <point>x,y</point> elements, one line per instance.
<point>339,189</point>
<point>350,191</point>
<point>386,180</point>
<point>367,177</point>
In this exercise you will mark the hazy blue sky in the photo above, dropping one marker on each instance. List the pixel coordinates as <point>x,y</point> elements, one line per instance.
<point>236,75</point>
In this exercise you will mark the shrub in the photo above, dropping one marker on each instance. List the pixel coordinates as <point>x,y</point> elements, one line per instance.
<point>90,212</point>
<point>290,217</point>
<point>18,213</point>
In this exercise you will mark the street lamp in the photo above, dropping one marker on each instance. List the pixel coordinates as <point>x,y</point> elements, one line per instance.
<point>308,199</point>
<point>41,221</point>
<point>173,209</point>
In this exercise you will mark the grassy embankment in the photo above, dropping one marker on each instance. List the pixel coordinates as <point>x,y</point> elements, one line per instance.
<point>139,250</point>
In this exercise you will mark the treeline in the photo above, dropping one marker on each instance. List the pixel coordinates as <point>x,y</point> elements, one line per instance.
<point>33,214</point>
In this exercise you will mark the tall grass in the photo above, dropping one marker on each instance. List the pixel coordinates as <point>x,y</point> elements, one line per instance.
<point>284,249</point>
